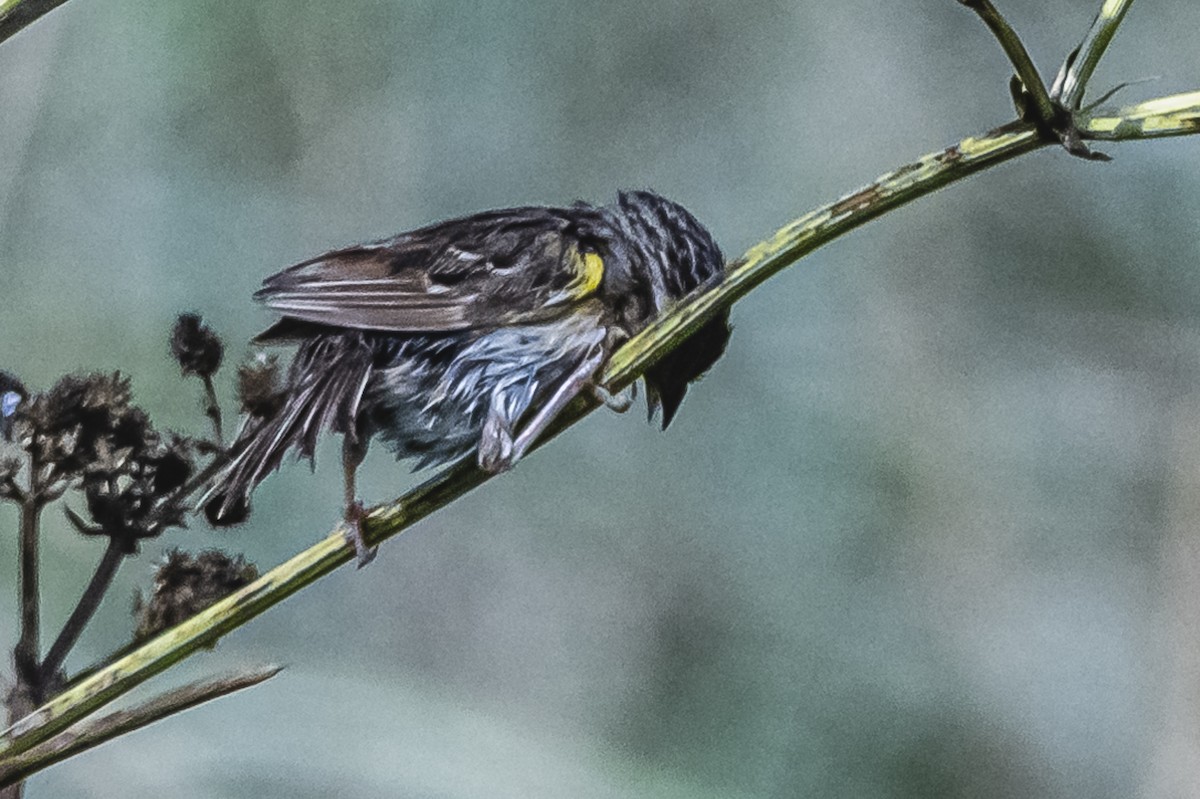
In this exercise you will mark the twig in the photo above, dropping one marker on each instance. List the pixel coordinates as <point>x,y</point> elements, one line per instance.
<point>29,643</point>
<point>1078,68</point>
<point>29,687</point>
<point>88,603</point>
<point>212,409</point>
<point>1177,115</point>
<point>16,14</point>
<point>1018,55</point>
<point>95,732</point>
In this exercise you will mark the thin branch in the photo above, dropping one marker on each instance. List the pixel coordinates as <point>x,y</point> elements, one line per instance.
<point>29,643</point>
<point>88,603</point>
<point>1082,62</point>
<point>1177,115</point>
<point>17,14</point>
<point>771,256</point>
<point>95,732</point>
<point>29,689</point>
<point>212,409</point>
<point>1017,55</point>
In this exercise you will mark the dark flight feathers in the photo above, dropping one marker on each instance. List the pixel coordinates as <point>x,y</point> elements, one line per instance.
<point>330,375</point>
<point>502,268</point>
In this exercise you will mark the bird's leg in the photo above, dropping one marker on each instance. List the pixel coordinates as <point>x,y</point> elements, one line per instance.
<point>619,402</point>
<point>352,455</point>
<point>496,440</point>
<point>501,459</point>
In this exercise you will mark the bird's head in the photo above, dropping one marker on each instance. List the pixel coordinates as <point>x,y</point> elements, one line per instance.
<point>662,253</point>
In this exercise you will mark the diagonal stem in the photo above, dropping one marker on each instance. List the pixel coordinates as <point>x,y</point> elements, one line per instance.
<point>1079,67</point>
<point>768,258</point>
<point>1017,54</point>
<point>17,14</point>
<point>91,734</point>
<point>88,603</point>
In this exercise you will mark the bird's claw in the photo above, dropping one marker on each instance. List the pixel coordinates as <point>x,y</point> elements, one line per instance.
<point>620,402</point>
<point>496,446</point>
<point>355,513</point>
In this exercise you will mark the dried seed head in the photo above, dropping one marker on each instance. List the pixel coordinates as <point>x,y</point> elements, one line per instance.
<point>195,345</point>
<point>186,584</point>
<point>259,387</point>
<point>9,469</point>
<point>81,421</point>
<point>84,432</point>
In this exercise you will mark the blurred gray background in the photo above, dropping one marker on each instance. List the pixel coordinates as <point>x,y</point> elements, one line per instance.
<point>931,528</point>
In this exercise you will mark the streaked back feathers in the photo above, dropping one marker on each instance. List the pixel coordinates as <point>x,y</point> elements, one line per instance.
<point>465,328</point>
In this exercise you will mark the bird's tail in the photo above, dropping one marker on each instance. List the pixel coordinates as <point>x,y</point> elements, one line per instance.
<point>325,387</point>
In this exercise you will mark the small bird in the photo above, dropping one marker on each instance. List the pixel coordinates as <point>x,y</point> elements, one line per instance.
<point>471,334</point>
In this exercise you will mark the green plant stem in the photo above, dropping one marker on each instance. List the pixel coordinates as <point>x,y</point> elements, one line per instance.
<point>17,14</point>
<point>1177,115</point>
<point>1079,71</point>
<point>1017,55</point>
<point>785,247</point>
<point>92,733</point>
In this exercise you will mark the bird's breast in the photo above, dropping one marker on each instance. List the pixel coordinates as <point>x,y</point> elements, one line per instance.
<point>428,396</point>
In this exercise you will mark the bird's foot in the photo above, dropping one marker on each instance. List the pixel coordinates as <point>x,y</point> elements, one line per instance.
<point>619,402</point>
<point>496,452</point>
<point>355,513</point>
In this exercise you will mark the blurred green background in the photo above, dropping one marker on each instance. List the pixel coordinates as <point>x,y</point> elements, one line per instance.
<point>928,530</point>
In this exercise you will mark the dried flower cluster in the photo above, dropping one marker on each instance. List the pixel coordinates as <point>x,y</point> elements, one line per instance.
<point>134,482</point>
<point>86,433</point>
<point>186,584</point>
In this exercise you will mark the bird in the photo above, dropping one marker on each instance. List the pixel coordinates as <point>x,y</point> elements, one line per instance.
<point>471,335</point>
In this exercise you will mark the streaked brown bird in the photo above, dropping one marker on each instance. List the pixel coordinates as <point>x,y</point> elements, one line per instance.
<point>471,334</point>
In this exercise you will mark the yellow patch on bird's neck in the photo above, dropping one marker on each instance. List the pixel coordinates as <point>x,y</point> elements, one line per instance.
<point>591,272</point>
<point>586,271</point>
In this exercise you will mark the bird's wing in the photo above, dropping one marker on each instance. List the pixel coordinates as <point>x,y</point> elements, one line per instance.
<point>491,269</point>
